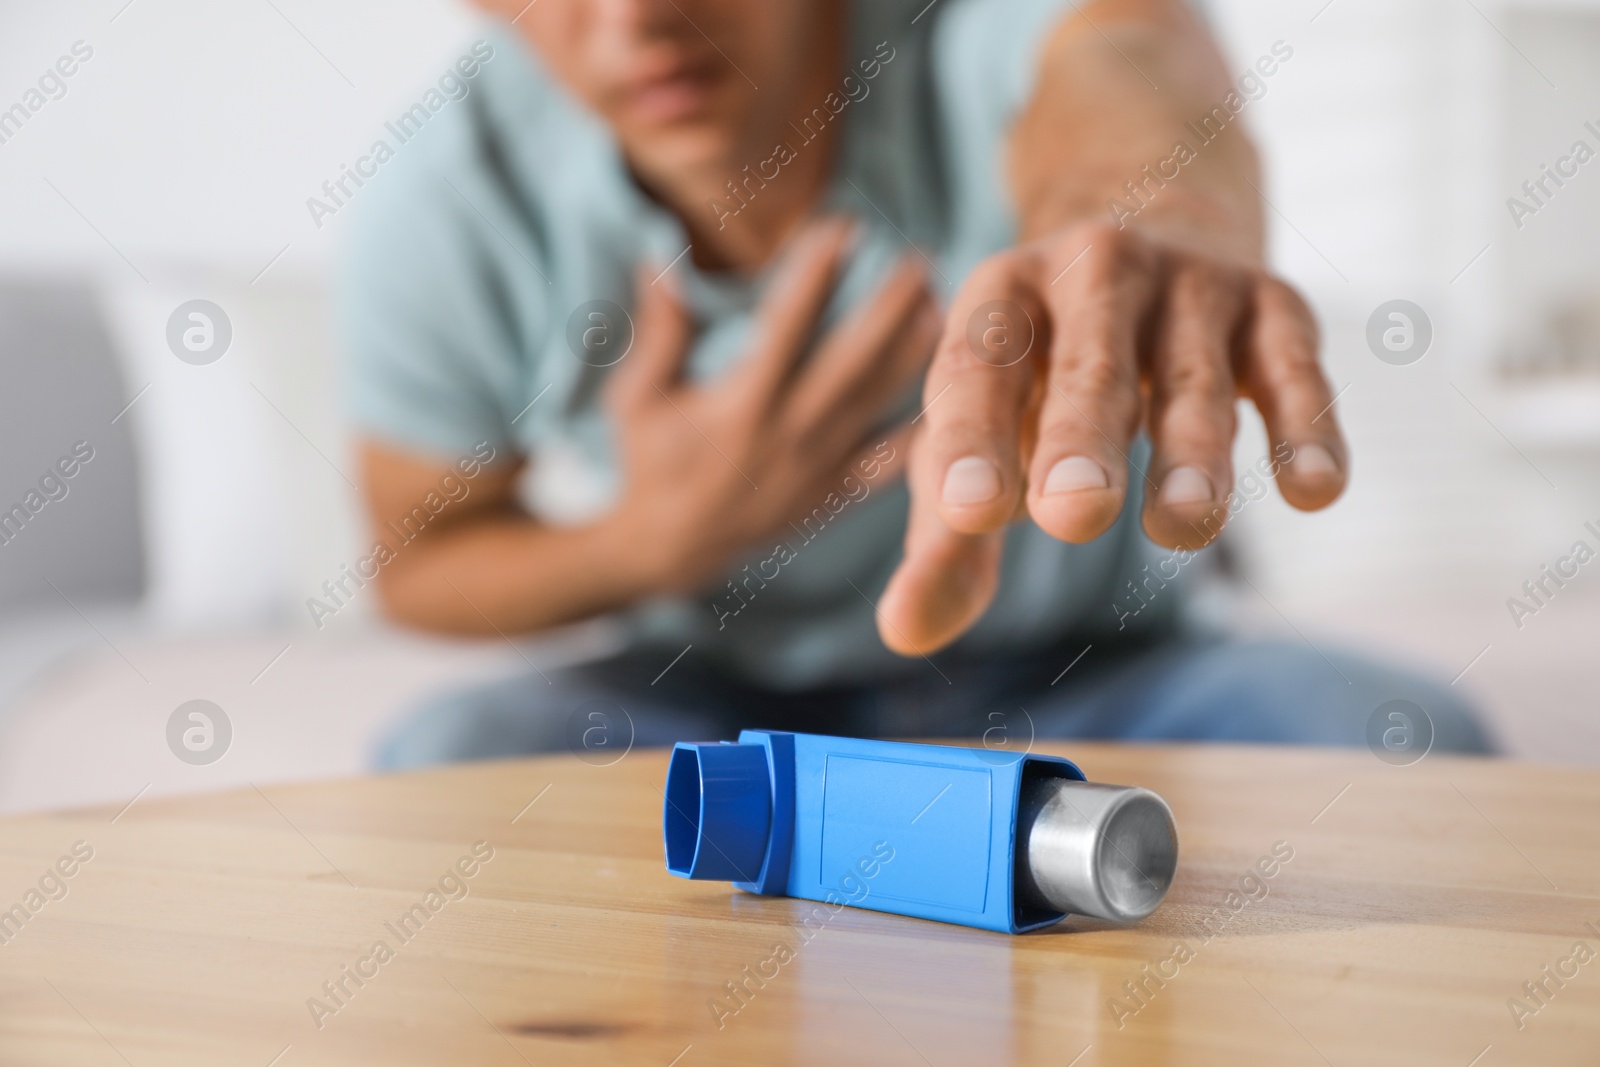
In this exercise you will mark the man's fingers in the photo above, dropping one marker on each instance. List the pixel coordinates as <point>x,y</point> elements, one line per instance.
<point>854,366</point>
<point>975,398</point>
<point>662,332</point>
<point>1283,377</point>
<point>892,453</point>
<point>1192,393</point>
<point>888,380</point>
<point>882,461</point>
<point>910,355</point>
<point>942,586</point>
<point>1089,411</point>
<point>871,466</point>
<point>789,313</point>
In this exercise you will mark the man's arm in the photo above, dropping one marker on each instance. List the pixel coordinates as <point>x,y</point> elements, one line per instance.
<point>1095,122</point>
<point>1158,321</point>
<point>483,565</point>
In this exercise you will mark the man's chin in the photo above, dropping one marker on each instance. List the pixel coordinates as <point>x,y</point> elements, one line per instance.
<point>676,153</point>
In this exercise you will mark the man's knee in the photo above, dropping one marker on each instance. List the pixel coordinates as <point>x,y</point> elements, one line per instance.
<point>1293,692</point>
<point>574,711</point>
<point>1274,692</point>
<point>510,717</point>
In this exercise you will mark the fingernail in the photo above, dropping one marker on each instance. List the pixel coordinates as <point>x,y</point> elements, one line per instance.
<point>1074,473</point>
<point>1186,485</point>
<point>971,480</point>
<point>1314,461</point>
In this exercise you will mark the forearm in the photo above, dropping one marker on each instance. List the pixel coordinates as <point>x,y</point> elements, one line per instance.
<point>1096,122</point>
<point>482,565</point>
<point>512,574</point>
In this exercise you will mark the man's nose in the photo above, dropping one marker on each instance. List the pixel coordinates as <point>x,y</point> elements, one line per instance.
<point>645,18</point>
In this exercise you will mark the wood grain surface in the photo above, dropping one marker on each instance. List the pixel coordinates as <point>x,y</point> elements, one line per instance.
<point>202,930</point>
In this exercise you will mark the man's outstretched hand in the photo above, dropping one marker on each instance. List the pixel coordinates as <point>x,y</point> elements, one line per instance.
<point>1054,355</point>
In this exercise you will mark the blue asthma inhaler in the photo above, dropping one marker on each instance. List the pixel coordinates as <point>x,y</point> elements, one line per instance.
<point>961,835</point>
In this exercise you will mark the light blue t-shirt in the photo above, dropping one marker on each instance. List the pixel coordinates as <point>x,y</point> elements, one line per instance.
<point>480,252</point>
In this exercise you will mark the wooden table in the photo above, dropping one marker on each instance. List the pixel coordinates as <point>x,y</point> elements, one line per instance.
<point>1417,903</point>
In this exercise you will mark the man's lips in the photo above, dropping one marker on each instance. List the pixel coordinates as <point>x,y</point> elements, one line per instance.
<point>672,95</point>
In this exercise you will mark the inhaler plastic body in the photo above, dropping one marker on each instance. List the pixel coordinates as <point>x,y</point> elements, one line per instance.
<point>961,835</point>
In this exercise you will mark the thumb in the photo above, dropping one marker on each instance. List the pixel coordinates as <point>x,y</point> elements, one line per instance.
<point>943,585</point>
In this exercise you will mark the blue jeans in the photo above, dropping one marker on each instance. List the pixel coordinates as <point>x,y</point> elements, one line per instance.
<point>1172,690</point>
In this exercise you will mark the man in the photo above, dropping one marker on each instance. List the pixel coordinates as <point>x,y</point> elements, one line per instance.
<point>678,262</point>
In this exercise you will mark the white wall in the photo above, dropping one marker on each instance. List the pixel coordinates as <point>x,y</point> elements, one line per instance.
<point>1391,139</point>
<point>194,135</point>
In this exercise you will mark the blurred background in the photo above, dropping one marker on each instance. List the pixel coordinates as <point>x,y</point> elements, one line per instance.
<point>174,165</point>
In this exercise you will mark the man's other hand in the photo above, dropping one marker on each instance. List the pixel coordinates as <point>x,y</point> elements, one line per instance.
<point>714,469</point>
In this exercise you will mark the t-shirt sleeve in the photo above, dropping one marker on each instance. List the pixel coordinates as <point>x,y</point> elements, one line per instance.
<point>429,351</point>
<point>985,55</point>
<point>991,48</point>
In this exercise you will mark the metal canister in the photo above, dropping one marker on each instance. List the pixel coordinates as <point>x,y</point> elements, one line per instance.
<point>1108,851</point>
